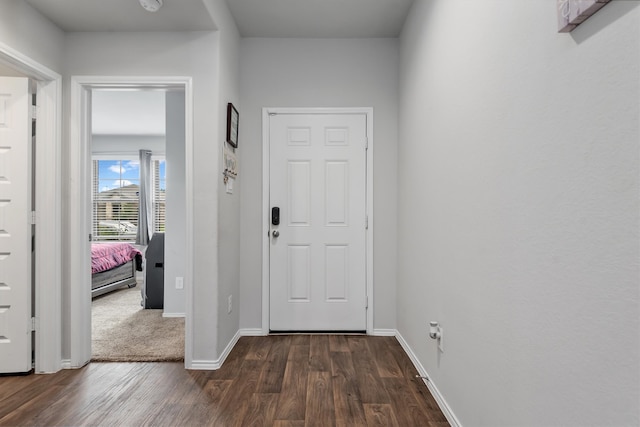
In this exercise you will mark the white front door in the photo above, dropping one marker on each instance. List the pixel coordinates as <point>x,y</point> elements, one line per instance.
<point>318,249</point>
<point>15,225</point>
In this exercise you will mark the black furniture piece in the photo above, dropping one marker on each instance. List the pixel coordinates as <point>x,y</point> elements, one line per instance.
<point>153,292</point>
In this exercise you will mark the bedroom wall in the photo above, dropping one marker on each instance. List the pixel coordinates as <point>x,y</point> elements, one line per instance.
<point>174,239</point>
<point>25,30</point>
<point>518,210</point>
<point>172,54</point>
<point>127,144</point>
<point>319,73</point>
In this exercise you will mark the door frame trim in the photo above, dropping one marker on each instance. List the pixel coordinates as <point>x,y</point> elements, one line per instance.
<point>48,197</point>
<point>79,198</point>
<point>266,112</point>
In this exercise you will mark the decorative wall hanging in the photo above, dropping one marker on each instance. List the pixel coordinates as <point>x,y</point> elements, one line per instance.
<point>230,164</point>
<point>232,125</point>
<point>572,13</point>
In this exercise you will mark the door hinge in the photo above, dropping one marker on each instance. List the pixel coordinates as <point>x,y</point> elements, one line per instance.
<point>33,217</point>
<point>366,222</point>
<point>34,112</point>
<point>34,323</point>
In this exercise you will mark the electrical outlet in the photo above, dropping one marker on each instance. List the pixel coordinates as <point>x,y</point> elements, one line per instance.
<point>229,303</point>
<point>179,283</point>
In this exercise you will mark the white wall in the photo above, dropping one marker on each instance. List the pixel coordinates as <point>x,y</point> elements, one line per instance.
<point>127,144</point>
<point>174,240</point>
<point>167,54</point>
<point>319,73</point>
<point>228,238</point>
<point>23,29</point>
<point>518,210</point>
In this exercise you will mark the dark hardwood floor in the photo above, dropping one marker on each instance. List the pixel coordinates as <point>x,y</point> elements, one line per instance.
<point>293,380</point>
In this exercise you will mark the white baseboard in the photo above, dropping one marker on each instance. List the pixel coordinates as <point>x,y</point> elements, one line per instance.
<point>442,403</point>
<point>66,364</point>
<point>384,333</point>
<point>203,365</point>
<point>212,365</point>
<point>173,315</point>
<point>252,332</point>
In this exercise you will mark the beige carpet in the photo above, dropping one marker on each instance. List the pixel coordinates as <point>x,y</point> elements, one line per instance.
<point>122,331</point>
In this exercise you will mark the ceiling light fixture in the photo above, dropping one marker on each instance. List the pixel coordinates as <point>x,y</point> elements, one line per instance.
<point>151,5</point>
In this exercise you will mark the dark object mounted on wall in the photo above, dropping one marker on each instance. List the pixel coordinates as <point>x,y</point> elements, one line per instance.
<point>232,125</point>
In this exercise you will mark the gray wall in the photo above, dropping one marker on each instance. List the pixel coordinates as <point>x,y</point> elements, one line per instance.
<point>174,239</point>
<point>228,240</point>
<point>127,144</point>
<point>518,210</point>
<point>319,73</point>
<point>25,30</point>
<point>172,54</point>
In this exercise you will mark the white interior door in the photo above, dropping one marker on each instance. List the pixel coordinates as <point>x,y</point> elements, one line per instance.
<point>318,249</point>
<point>15,225</point>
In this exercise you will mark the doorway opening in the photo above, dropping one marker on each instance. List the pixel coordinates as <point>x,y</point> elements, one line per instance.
<point>135,134</point>
<point>84,200</point>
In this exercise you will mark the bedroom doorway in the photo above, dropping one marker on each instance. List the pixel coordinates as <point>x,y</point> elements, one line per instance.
<point>177,93</point>
<point>135,133</point>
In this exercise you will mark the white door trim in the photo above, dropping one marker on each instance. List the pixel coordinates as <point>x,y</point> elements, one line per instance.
<point>48,273</point>
<point>79,196</point>
<point>265,203</point>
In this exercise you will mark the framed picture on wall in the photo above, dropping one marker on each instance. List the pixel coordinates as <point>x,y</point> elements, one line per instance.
<point>232,125</point>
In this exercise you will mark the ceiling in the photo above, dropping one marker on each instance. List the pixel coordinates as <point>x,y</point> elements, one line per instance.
<point>320,18</point>
<point>255,18</point>
<point>125,15</point>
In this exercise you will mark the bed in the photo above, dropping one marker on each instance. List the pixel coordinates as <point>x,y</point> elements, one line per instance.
<point>113,265</point>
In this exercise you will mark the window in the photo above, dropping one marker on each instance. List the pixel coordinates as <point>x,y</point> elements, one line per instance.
<point>116,186</point>
<point>159,191</point>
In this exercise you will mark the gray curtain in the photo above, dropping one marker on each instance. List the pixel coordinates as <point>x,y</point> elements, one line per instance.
<point>145,210</point>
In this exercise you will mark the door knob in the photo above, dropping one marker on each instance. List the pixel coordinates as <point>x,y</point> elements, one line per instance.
<point>275,233</point>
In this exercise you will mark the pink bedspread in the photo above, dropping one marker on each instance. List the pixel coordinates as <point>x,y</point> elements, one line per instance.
<point>105,256</point>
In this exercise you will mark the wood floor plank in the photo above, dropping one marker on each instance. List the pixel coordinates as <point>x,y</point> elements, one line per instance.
<point>261,410</point>
<point>231,366</point>
<point>293,396</point>
<point>310,386</point>
<point>425,400</point>
<point>320,410</point>
<point>29,411</point>
<point>403,361</point>
<point>408,411</point>
<point>338,343</point>
<point>371,387</point>
<point>259,349</point>
<point>385,361</point>
<point>104,399</point>
<point>380,415</point>
<point>319,359</point>
<point>346,392</point>
<point>287,423</point>
<point>275,364</point>
<point>300,339</point>
<point>235,402</point>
